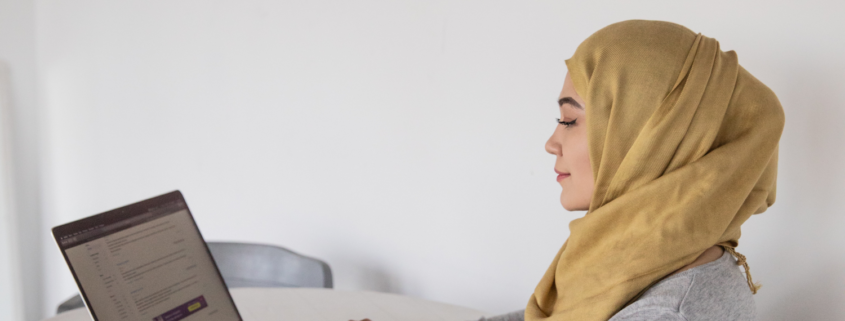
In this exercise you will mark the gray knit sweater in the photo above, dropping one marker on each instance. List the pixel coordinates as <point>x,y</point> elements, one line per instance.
<point>713,291</point>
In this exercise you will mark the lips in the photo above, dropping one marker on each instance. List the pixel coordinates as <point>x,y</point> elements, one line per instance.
<point>561,175</point>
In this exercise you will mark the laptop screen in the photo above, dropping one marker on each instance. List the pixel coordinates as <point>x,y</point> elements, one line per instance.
<point>145,261</point>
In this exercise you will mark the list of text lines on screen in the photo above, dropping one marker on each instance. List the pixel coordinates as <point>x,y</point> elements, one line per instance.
<point>157,270</point>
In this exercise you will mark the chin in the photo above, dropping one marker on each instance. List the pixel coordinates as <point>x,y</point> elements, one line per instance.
<point>568,208</point>
<point>572,205</point>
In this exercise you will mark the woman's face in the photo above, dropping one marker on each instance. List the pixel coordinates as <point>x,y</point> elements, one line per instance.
<point>569,144</point>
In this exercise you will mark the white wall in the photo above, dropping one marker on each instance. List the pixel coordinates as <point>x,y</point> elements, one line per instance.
<point>20,129</point>
<point>402,142</point>
<point>11,302</point>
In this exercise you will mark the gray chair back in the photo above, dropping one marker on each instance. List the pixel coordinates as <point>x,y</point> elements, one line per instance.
<point>256,265</point>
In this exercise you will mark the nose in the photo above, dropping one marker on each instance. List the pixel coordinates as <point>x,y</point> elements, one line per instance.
<point>552,145</point>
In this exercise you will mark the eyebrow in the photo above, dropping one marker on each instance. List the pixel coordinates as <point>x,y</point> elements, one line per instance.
<point>570,101</point>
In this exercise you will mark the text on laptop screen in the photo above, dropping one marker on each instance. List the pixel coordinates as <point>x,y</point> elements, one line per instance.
<point>152,266</point>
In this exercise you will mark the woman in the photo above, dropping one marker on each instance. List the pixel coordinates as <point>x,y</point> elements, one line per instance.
<point>670,146</point>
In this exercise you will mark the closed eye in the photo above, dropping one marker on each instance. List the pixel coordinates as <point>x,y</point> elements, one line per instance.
<point>566,123</point>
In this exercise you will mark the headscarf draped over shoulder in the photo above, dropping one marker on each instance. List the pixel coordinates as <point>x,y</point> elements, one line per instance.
<point>683,145</point>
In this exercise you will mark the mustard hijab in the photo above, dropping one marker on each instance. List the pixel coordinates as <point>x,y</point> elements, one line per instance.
<point>683,145</point>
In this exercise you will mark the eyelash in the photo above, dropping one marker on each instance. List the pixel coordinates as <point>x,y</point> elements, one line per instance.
<point>567,123</point>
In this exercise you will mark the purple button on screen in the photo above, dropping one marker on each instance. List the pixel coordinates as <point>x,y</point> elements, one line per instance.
<point>184,310</point>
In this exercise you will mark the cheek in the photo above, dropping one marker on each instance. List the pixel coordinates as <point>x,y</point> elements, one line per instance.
<point>582,160</point>
<point>582,173</point>
<point>578,152</point>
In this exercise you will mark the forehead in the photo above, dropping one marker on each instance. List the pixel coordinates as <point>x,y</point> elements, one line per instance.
<point>568,90</point>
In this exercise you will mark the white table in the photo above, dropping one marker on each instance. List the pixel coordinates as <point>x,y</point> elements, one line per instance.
<point>308,304</point>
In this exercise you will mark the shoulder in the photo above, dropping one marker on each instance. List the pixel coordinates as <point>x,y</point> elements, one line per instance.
<point>712,291</point>
<point>513,316</point>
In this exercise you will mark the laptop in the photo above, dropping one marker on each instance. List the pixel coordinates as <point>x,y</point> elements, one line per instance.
<point>145,261</point>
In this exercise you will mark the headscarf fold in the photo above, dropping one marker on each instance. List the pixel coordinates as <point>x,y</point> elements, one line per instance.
<point>683,146</point>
